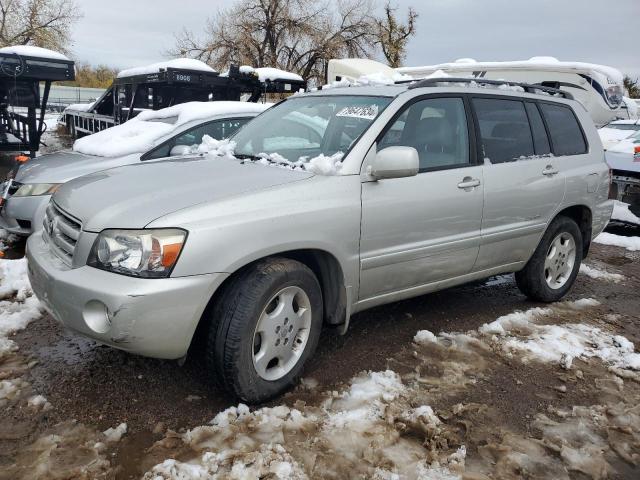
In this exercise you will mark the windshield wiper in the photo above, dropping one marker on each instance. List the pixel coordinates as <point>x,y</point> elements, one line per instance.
<point>246,156</point>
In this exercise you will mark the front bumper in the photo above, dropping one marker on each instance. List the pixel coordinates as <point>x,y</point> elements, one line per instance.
<point>25,209</point>
<point>151,317</point>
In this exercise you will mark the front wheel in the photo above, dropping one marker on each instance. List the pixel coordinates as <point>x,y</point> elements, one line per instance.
<point>551,271</point>
<point>265,326</point>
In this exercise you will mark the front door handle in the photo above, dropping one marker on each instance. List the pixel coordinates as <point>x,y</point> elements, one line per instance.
<point>549,171</point>
<point>468,183</point>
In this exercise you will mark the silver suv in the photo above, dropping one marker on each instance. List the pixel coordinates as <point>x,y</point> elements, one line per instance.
<point>382,193</point>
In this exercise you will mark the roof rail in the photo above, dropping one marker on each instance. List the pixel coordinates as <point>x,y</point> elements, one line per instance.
<point>527,87</point>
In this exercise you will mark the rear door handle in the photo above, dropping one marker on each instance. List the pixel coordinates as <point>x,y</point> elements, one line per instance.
<point>549,171</point>
<point>468,182</point>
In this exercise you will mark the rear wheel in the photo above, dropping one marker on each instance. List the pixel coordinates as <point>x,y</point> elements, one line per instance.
<point>551,271</point>
<point>265,327</point>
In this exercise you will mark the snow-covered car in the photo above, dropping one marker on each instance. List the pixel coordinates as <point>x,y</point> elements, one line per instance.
<point>327,204</point>
<point>149,136</point>
<point>616,131</point>
<point>624,160</point>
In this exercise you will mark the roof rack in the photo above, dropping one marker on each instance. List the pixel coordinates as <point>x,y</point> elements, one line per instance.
<point>527,87</point>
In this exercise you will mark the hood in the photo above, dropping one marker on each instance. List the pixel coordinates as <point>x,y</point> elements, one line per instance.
<point>133,196</point>
<point>60,167</point>
<point>622,161</point>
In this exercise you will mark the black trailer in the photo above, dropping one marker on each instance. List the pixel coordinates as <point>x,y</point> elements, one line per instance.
<point>21,107</point>
<point>130,95</point>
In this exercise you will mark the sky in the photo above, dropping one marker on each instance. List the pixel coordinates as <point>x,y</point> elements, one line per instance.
<point>127,33</point>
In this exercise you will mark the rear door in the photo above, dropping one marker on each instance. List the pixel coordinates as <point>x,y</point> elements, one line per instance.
<point>523,185</point>
<point>422,229</point>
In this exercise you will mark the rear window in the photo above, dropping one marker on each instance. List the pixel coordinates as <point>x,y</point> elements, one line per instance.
<point>504,129</point>
<point>564,129</point>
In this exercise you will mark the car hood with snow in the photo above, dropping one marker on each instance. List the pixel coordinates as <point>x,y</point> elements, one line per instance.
<point>125,143</point>
<point>132,196</point>
<point>621,155</point>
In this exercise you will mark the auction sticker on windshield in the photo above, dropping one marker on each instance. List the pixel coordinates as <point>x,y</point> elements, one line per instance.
<point>367,112</point>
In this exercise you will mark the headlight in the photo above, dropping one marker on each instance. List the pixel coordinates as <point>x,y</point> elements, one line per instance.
<point>614,95</point>
<point>138,253</point>
<point>33,189</point>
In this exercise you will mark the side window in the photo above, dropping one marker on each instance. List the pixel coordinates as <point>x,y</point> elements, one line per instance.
<point>436,128</point>
<point>540,139</point>
<point>219,129</point>
<point>504,129</point>
<point>566,135</point>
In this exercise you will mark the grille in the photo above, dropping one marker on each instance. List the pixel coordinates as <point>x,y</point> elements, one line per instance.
<point>61,231</point>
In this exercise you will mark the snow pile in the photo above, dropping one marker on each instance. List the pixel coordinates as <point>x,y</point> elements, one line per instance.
<point>270,74</point>
<point>144,131</point>
<point>371,80</point>
<point>320,165</point>
<point>622,213</point>
<point>425,336</point>
<point>600,274</point>
<point>17,313</point>
<point>114,434</point>
<point>369,430</point>
<point>30,51</point>
<point>521,332</point>
<point>183,63</point>
<point>630,243</point>
<point>542,63</point>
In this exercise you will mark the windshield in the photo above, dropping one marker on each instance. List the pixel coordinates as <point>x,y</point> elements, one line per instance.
<point>624,126</point>
<point>303,128</point>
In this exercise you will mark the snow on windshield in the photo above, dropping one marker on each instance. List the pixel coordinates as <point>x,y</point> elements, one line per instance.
<point>310,132</point>
<point>141,133</point>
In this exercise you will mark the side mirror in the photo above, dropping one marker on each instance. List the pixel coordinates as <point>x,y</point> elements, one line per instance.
<point>178,150</point>
<point>395,162</point>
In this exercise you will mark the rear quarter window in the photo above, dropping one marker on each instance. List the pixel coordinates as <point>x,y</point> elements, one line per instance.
<point>566,135</point>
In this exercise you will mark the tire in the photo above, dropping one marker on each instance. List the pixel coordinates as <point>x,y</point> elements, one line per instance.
<point>548,275</point>
<point>255,319</point>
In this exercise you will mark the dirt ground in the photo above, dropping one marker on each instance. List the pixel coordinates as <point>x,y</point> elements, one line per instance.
<point>96,387</point>
<point>497,415</point>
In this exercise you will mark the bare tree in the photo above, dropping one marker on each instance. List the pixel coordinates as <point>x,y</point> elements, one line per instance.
<point>632,87</point>
<point>294,35</point>
<point>393,35</point>
<point>42,23</point>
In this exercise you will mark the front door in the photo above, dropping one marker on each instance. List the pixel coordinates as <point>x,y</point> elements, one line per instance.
<point>422,229</point>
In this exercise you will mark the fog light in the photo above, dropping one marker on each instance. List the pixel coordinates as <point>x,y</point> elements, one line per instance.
<point>96,316</point>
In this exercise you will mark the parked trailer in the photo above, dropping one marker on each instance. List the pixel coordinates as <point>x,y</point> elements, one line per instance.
<point>599,88</point>
<point>170,83</point>
<point>22,69</point>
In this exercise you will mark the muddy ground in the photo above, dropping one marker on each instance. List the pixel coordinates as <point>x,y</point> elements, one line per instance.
<point>514,418</point>
<point>99,387</point>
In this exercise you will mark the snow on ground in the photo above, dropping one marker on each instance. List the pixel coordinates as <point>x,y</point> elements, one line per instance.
<point>529,335</point>
<point>18,305</point>
<point>356,430</point>
<point>622,213</point>
<point>598,274</point>
<point>630,243</point>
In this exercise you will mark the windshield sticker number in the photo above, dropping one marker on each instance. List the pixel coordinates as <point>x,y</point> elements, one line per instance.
<point>367,112</point>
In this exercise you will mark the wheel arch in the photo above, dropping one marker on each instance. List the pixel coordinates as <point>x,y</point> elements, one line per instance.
<point>325,266</point>
<point>582,215</point>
